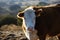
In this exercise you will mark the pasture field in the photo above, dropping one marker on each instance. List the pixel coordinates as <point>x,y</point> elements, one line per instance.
<point>11,32</point>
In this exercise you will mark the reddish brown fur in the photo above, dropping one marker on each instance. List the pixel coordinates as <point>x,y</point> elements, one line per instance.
<point>48,22</point>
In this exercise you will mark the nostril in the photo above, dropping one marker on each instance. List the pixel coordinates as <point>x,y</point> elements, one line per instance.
<point>30,28</point>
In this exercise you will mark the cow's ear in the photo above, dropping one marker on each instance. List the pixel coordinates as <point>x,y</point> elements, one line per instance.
<point>20,14</point>
<point>38,12</point>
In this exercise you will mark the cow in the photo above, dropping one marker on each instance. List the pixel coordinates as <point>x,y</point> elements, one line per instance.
<point>41,21</point>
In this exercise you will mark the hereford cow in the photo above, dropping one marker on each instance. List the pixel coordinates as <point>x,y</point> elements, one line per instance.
<point>40,21</point>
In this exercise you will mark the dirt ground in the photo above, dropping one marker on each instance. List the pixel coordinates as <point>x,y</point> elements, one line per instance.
<point>11,32</point>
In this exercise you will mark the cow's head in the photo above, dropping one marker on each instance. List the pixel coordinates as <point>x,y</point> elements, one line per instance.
<point>29,15</point>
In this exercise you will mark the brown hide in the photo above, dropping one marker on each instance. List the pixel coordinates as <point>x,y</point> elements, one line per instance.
<point>48,22</point>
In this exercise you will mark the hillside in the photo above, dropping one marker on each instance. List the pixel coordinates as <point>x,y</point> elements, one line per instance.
<point>3,11</point>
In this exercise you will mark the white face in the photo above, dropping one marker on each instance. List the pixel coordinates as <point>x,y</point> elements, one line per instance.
<point>29,17</point>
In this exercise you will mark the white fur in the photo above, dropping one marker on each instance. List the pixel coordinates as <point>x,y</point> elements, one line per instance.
<point>29,20</point>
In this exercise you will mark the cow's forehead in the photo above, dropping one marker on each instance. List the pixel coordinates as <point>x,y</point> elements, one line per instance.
<point>29,13</point>
<point>29,9</point>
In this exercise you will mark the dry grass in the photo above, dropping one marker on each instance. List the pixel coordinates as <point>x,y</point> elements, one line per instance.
<point>10,28</point>
<point>11,32</point>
